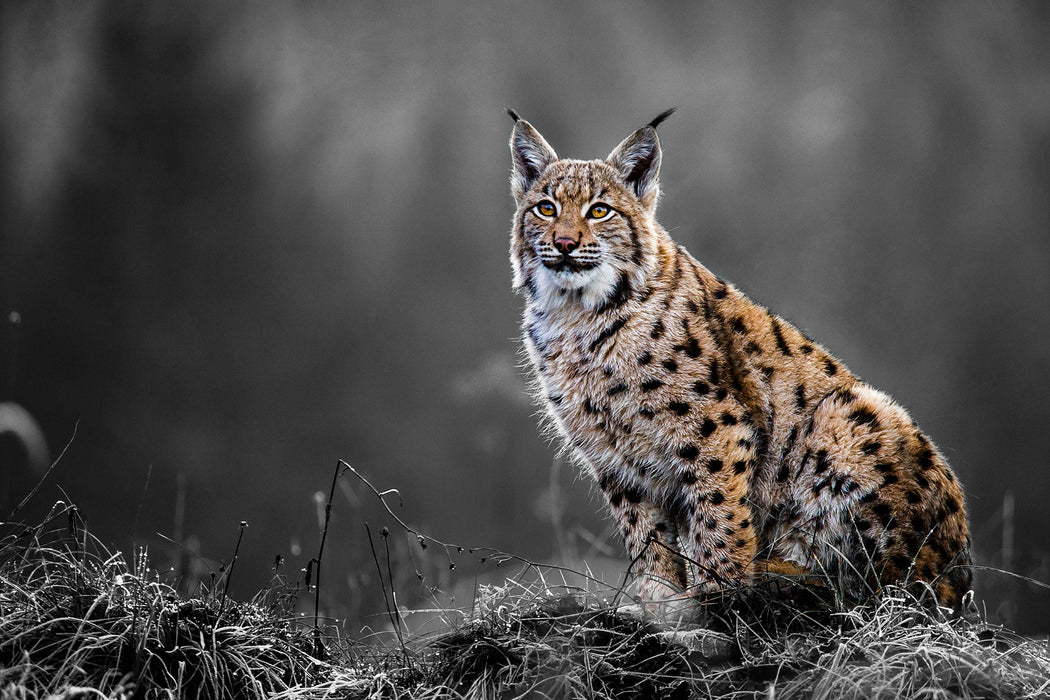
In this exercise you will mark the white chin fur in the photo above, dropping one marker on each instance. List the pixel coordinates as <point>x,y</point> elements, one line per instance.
<point>592,286</point>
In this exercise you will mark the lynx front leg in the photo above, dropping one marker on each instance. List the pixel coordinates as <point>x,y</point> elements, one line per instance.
<point>718,536</point>
<point>651,539</point>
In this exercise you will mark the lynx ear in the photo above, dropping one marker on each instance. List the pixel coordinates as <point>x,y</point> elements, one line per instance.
<point>637,159</point>
<point>531,155</point>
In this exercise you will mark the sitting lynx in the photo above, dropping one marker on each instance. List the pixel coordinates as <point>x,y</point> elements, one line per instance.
<point>725,441</point>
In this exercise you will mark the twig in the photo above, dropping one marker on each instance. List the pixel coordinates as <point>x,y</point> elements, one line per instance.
<point>395,620</point>
<point>47,473</point>
<point>499,556</point>
<point>318,645</point>
<point>229,572</point>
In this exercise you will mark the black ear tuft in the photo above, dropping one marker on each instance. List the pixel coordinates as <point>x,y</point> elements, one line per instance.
<point>530,156</point>
<point>515,117</point>
<point>661,117</point>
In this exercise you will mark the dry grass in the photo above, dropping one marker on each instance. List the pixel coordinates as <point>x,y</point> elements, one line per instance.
<point>78,621</point>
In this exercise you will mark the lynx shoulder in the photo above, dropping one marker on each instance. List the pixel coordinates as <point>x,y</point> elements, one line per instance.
<point>724,440</point>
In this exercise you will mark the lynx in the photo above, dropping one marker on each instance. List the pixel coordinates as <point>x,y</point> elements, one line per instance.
<point>724,440</point>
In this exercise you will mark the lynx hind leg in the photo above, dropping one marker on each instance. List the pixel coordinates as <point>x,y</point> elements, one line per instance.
<point>876,502</point>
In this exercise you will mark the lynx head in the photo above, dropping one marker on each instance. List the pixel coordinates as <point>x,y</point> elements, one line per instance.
<point>583,229</point>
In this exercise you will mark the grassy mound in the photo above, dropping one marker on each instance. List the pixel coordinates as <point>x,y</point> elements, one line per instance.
<point>78,621</point>
<point>75,617</point>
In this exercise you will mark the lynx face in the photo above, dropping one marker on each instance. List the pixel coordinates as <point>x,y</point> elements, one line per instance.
<point>576,231</point>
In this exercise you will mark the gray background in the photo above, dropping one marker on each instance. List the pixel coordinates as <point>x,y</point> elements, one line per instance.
<point>246,240</point>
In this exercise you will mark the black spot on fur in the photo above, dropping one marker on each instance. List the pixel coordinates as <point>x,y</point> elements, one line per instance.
<point>716,498</point>
<point>721,394</point>
<point>822,462</point>
<point>691,348</point>
<point>645,358</point>
<point>689,451</point>
<point>646,412</point>
<point>806,349</point>
<point>619,296</point>
<point>883,467</point>
<point>871,448</point>
<point>701,388</point>
<point>534,335</point>
<point>714,465</point>
<point>738,326</point>
<point>800,397</point>
<point>925,458</point>
<point>691,305</point>
<point>651,385</point>
<point>657,330</point>
<point>588,407</point>
<point>679,407</point>
<point>721,290</point>
<point>753,348</point>
<point>782,473</point>
<point>707,427</point>
<point>912,496</point>
<point>921,481</point>
<point>617,389</point>
<point>670,365</point>
<point>778,336</point>
<point>792,436</point>
<point>608,333</point>
<point>712,371</point>
<point>688,478</point>
<point>889,480</point>
<point>803,463</point>
<point>830,368</point>
<point>728,419</point>
<point>843,396</point>
<point>634,494</point>
<point>952,504</point>
<point>864,416</point>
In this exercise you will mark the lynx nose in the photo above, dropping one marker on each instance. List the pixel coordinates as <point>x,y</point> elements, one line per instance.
<point>566,245</point>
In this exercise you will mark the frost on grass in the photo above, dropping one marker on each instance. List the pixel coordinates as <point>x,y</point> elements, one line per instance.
<point>78,621</point>
<point>75,618</point>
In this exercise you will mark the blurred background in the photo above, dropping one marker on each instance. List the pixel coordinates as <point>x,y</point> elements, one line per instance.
<point>241,241</point>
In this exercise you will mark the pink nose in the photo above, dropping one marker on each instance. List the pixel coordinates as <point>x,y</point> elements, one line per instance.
<point>566,245</point>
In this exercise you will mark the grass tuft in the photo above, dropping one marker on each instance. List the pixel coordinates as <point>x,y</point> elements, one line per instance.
<point>75,616</point>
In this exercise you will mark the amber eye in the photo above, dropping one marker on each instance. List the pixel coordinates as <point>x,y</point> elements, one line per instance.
<point>599,211</point>
<point>546,208</point>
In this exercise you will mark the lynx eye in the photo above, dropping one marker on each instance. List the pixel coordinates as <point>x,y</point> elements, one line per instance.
<point>599,211</point>
<point>546,208</point>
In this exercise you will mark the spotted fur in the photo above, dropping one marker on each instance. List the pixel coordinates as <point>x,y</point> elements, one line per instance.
<point>722,437</point>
